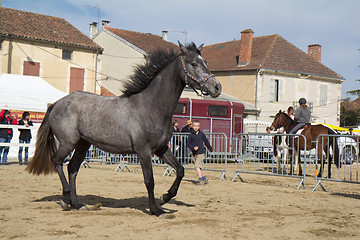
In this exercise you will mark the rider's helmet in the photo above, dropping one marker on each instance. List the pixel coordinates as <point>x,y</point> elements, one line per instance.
<point>302,101</point>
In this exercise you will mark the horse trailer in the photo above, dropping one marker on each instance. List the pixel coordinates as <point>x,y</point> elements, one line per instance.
<point>215,116</point>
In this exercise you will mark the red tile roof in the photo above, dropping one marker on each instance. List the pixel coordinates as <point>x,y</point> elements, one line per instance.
<point>268,52</point>
<point>38,27</point>
<point>351,106</point>
<point>145,41</point>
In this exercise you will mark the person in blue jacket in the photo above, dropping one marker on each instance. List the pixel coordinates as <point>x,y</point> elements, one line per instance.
<point>195,143</point>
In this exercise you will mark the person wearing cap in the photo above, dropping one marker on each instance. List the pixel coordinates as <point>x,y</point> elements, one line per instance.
<point>302,116</point>
<point>188,128</point>
<point>351,131</point>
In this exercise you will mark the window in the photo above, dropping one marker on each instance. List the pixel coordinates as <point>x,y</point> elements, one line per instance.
<point>220,111</point>
<point>180,108</point>
<point>31,68</point>
<point>66,54</point>
<point>323,95</point>
<point>275,90</point>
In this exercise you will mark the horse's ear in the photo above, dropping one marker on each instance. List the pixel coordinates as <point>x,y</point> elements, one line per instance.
<point>280,111</point>
<point>200,47</point>
<point>182,48</point>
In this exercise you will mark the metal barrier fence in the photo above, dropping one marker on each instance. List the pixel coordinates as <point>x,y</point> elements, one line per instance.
<point>344,166</point>
<point>13,144</point>
<point>214,161</point>
<point>256,155</point>
<point>251,153</point>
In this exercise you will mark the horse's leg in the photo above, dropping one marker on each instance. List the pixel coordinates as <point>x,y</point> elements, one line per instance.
<point>321,158</point>
<point>286,154</point>
<point>170,159</point>
<point>327,152</point>
<point>146,166</point>
<point>296,158</point>
<point>58,160</point>
<point>291,160</point>
<point>73,169</point>
<point>299,163</point>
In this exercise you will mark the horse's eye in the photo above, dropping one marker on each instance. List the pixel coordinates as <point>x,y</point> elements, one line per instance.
<point>194,64</point>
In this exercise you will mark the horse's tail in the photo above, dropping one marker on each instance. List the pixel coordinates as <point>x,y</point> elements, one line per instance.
<point>335,146</point>
<point>41,163</point>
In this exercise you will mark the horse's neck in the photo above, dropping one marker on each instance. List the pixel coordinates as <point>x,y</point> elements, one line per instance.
<point>287,125</point>
<point>165,89</point>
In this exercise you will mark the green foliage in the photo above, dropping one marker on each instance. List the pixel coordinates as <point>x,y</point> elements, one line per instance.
<point>348,118</point>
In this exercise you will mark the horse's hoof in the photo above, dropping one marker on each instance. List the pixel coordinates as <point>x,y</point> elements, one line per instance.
<point>167,216</point>
<point>65,206</point>
<point>161,200</point>
<point>91,207</point>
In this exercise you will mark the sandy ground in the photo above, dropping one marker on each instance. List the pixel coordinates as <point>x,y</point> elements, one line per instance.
<point>263,207</point>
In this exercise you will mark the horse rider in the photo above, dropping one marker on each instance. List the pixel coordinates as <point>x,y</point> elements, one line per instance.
<point>302,116</point>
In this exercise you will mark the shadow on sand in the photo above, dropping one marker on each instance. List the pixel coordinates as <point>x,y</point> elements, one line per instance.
<point>139,203</point>
<point>347,195</point>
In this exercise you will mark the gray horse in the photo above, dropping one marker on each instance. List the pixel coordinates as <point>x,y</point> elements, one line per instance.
<point>139,121</point>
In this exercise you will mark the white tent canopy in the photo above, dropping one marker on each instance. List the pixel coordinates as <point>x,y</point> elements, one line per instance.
<point>27,93</point>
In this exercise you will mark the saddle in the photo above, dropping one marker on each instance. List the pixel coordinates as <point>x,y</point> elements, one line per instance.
<point>300,129</point>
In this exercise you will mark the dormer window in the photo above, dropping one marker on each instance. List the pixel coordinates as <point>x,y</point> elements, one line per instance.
<point>66,54</point>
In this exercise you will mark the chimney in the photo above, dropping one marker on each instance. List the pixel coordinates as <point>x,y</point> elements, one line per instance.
<point>105,23</point>
<point>314,51</point>
<point>245,47</point>
<point>93,29</point>
<point>164,35</point>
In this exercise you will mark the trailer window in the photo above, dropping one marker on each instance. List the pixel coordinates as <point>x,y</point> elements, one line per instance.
<point>180,108</point>
<point>221,111</point>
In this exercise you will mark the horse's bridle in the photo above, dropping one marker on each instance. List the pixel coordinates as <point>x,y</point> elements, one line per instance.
<point>279,123</point>
<point>201,82</point>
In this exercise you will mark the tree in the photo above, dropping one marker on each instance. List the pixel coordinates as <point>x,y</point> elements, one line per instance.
<point>348,118</point>
<point>355,92</point>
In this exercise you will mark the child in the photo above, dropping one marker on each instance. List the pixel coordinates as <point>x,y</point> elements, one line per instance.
<point>25,136</point>
<point>196,142</point>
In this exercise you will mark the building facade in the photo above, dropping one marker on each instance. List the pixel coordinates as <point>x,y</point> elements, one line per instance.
<point>123,50</point>
<point>48,47</point>
<point>272,74</point>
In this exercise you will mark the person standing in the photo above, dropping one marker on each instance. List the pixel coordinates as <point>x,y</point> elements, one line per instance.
<point>6,133</point>
<point>176,141</point>
<point>25,136</point>
<point>351,131</point>
<point>195,143</point>
<point>188,128</point>
<point>184,150</point>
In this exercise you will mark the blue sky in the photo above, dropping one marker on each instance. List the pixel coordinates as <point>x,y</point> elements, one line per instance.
<point>334,24</point>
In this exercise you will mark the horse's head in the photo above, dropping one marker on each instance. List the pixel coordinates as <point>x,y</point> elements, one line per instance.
<point>196,74</point>
<point>279,121</point>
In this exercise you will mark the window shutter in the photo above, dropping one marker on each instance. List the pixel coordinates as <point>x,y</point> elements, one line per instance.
<point>272,90</point>
<point>280,90</point>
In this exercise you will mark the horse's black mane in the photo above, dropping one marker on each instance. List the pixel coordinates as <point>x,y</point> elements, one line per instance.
<point>288,118</point>
<point>145,73</point>
<point>154,63</point>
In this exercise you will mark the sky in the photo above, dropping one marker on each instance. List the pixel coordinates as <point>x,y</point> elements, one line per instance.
<point>334,24</point>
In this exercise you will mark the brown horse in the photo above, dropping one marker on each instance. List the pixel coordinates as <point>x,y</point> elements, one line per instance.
<point>310,133</point>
